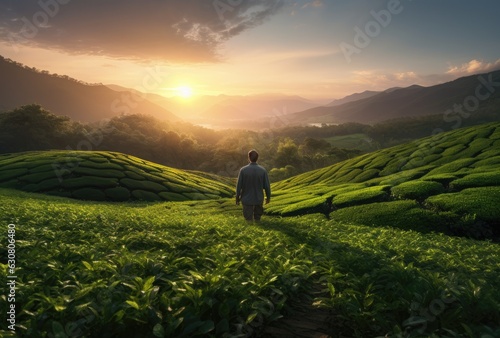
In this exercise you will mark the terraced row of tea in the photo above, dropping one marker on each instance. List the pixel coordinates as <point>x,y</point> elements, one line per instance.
<point>101,176</point>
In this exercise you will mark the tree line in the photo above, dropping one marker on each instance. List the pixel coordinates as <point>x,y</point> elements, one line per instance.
<point>285,151</point>
<point>46,72</point>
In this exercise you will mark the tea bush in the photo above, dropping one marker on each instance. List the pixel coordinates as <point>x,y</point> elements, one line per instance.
<point>484,179</point>
<point>79,174</point>
<point>417,190</point>
<point>482,202</point>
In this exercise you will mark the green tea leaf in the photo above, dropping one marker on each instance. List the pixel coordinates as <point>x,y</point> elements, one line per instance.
<point>251,317</point>
<point>331,288</point>
<point>88,265</point>
<point>148,283</point>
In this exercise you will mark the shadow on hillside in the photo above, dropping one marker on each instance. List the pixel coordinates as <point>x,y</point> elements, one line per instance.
<point>351,270</point>
<point>393,274</point>
<point>331,248</point>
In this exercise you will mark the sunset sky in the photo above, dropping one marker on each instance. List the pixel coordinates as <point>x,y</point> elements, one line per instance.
<point>321,49</point>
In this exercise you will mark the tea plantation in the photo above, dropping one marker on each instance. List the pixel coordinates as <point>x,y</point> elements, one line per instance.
<point>151,251</point>
<point>449,182</point>
<point>106,176</point>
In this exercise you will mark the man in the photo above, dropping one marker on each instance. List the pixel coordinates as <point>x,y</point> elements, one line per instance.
<point>252,179</point>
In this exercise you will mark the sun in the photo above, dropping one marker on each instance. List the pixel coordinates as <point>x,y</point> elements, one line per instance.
<point>184,91</point>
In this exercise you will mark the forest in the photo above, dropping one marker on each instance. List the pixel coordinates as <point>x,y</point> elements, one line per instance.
<point>285,151</point>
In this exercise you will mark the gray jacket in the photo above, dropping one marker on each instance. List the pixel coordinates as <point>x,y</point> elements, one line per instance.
<point>252,180</point>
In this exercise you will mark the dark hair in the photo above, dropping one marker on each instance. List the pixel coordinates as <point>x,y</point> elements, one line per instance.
<point>253,155</point>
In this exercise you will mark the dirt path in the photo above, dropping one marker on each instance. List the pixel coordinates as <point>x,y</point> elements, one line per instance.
<point>304,321</point>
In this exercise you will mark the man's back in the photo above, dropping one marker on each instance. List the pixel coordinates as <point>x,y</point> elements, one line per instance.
<point>251,181</point>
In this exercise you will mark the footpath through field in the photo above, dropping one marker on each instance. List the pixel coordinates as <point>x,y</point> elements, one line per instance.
<point>305,320</point>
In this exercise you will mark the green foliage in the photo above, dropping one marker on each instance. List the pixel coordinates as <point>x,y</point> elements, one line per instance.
<point>170,196</point>
<point>193,269</point>
<point>90,194</point>
<point>144,185</point>
<point>366,175</point>
<point>81,170</point>
<point>143,195</point>
<point>37,177</point>
<point>403,176</point>
<point>453,167</point>
<point>146,270</point>
<point>118,194</point>
<point>43,186</point>
<point>432,166</point>
<point>6,175</point>
<point>477,180</point>
<point>195,195</point>
<point>89,181</point>
<point>493,160</point>
<point>348,175</point>
<point>311,205</point>
<point>444,179</point>
<point>362,196</point>
<point>417,190</point>
<point>400,214</point>
<point>116,175</point>
<point>483,202</point>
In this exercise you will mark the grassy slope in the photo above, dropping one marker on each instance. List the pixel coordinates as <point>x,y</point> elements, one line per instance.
<point>186,269</point>
<point>101,176</point>
<point>445,176</point>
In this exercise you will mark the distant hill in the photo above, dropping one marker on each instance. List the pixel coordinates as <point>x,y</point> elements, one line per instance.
<point>21,85</point>
<point>405,102</point>
<point>258,106</point>
<point>228,110</point>
<point>353,97</point>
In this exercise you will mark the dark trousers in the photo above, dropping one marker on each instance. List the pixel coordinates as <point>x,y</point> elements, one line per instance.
<point>252,212</point>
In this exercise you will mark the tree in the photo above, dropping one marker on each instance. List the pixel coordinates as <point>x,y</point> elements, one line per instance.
<point>314,146</point>
<point>287,153</point>
<point>31,127</point>
<point>276,174</point>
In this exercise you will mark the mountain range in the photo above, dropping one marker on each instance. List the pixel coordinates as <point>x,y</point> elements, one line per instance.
<point>228,110</point>
<point>353,97</point>
<point>462,96</point>
<point>62,95</point>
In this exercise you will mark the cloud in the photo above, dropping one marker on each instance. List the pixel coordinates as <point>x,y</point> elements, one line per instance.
<point>380,80</point>
<point>406,76</point>
<point>167,30</point>
<point>473,67</point>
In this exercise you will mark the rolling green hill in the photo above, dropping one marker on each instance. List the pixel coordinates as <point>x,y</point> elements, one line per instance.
<point>106,176</point>
<point>450,180</point>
